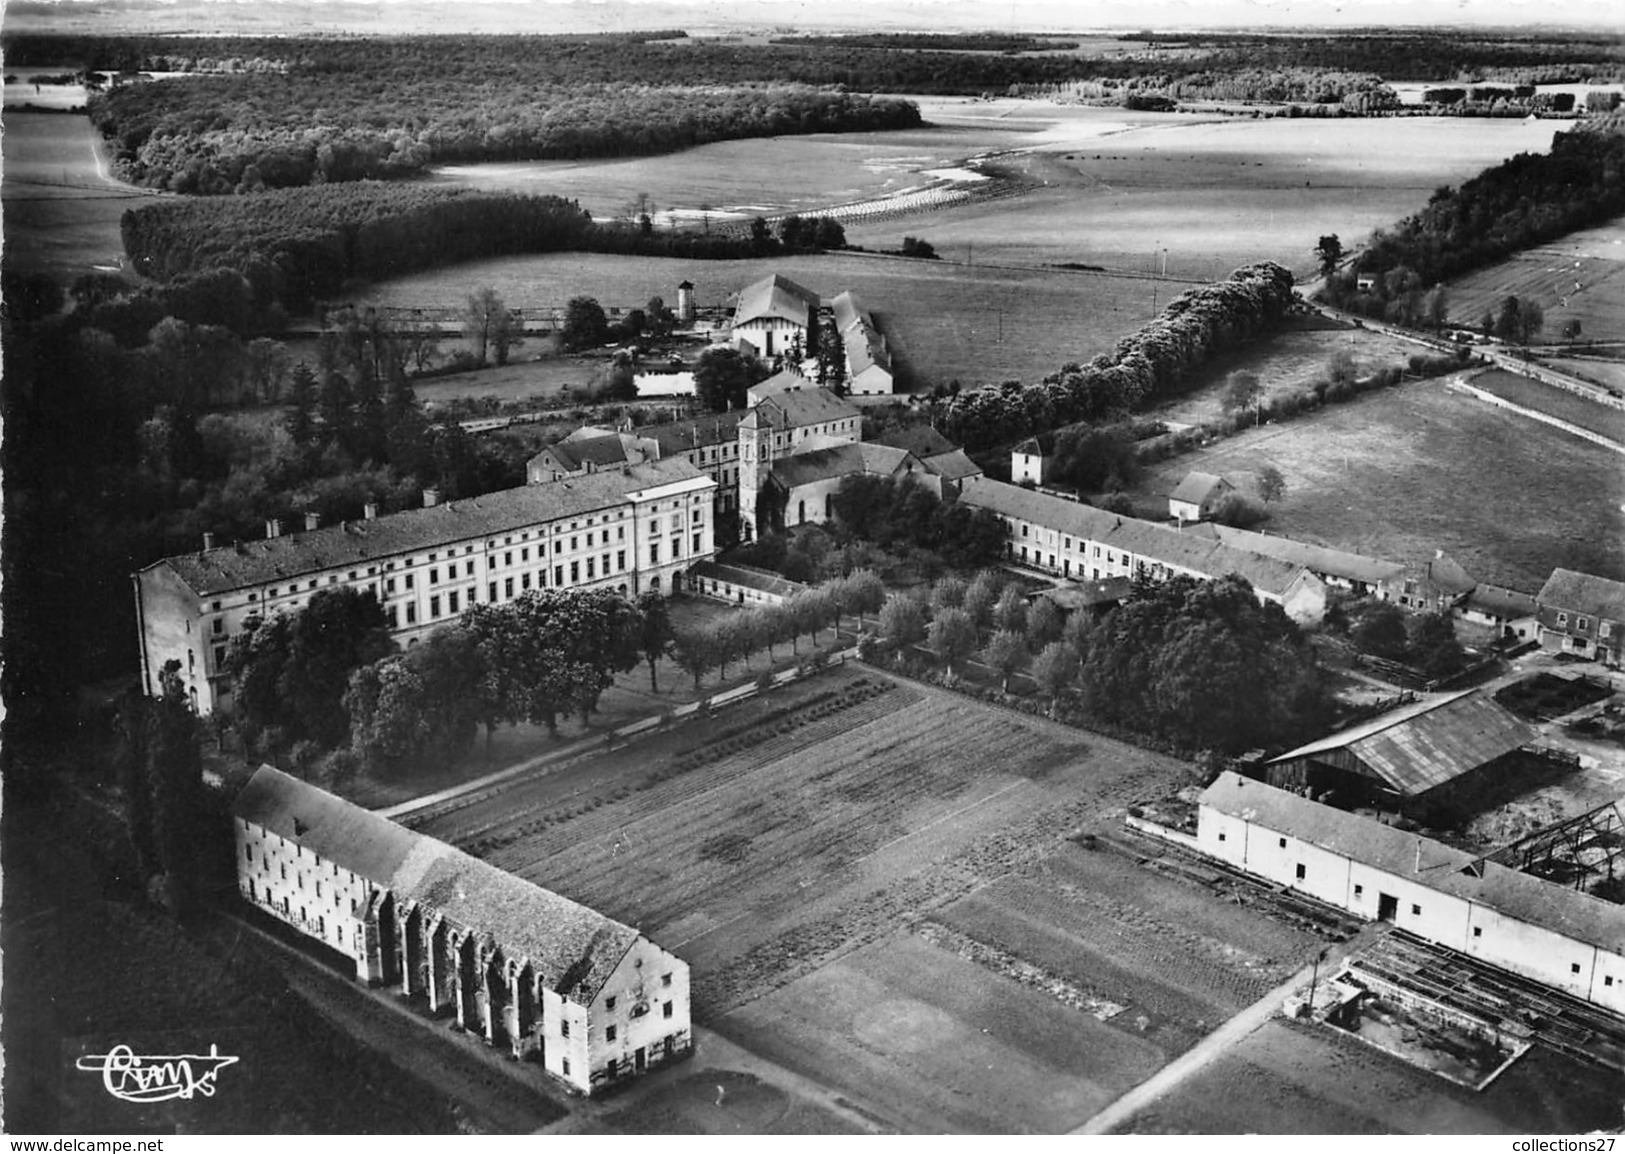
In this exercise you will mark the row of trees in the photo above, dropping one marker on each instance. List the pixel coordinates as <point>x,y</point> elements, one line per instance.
<point>1528,200</point>
<point>232,261</point>
<point>1200,664</point>
<point>1145,366</point>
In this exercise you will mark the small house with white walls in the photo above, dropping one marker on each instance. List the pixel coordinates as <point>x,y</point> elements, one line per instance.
<point>1564,938</point>
<point>590,1000</point>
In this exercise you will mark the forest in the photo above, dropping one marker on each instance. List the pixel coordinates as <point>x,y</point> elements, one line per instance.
<point>292,247</point>
<point>1528,200</point>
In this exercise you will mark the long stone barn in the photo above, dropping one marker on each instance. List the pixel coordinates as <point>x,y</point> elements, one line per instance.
<point>591,1000</point>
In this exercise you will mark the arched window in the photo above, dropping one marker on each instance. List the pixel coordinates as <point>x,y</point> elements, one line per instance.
<point>801,512</point>
<point>829,506</point>
<point>654,585</point>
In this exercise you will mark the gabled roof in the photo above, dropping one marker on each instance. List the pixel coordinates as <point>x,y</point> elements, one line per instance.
<point>1040,446</point>
<point>749,577</point>
<point>357,542</point>
<point>596,451</point>
<point>1088,594</point>
<point>1527,898</point>
<point>1315,558</point>
<point>921,440</point>
<point>1446,572</point>
<point>865,350</point>
<point>573,948</point>
<point>1497,601</point>
<point>1429,742</point>
<point>849,311</point>
<point>1583,593</point>
<point>953,465</point>
<point>776,297</point>
<point>842,460</point>
<point>1197,487</point>
<point>675,437</point>
<point>804,407</point>
<point>783,381</point>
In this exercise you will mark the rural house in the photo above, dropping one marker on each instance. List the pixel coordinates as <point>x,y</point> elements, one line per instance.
<point>635,529</point>
<point>1506,612</point>
<point>1351,571</point>
<point>582,452</point>
<point>1032,459</point>
<point>590,1000</point>
<point>1194,498</point>
<point>773,317</point>
<point>1548,931</point>
<point>1582,614</point>
<point>1436,586</point>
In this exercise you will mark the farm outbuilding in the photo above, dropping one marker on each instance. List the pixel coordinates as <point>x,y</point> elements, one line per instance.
<point>1559,936</point>
<point>1430,753</point>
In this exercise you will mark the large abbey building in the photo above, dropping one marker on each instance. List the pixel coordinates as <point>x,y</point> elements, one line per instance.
<point>545,978</point>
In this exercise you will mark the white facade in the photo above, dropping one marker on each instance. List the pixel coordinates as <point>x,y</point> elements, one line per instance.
<point>1380,873</point>
<point>641,536</point>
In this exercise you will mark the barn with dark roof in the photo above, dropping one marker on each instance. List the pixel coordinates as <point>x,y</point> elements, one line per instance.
<point>588,998</point>
<point>1433,753</point>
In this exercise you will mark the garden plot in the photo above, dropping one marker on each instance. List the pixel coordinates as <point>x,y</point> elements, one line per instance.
<point>1554,402</point>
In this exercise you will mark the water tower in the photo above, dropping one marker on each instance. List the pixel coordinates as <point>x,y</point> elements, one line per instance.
<point>685,302</point>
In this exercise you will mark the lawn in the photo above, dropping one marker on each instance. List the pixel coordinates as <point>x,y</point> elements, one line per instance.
<point>61,213</point>
<point>1400,473</point>
<point>1578,278</point>
<point>1560,403</point>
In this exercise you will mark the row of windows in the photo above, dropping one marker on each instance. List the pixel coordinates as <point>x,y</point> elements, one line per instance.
<point>1582,624</point>
<point>611,1032</point>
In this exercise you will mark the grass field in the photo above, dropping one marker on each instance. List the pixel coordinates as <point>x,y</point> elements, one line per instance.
<point>1402,472</point>
<point>61,214</point>
<point>1599,418</point>
<point>1579,278</point>
<point>942,320</point>
<point>1291,1079</point>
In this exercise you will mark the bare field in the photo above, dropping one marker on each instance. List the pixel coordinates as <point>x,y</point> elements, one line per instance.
<point>1286,1078</point>
<point>1560,403</point>
<point>943,320</point>
<point>1579,278</point>
<point>761,861</point>
<point>941,1046</point>
<point>1401,472</point>
<point>1608,374</point>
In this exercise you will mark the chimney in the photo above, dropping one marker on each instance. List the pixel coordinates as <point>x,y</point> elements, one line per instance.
<point>208,542</point>
<point>313,520</point>
<point>1418,855</point>
<point>369,511</point>
<point>273,528</point>
<point>431,498</point>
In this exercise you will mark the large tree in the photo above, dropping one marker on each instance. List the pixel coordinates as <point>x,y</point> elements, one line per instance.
<point>721,376</point>
<point>953,636</point>
<point>487,324</point>
<point>420,706</point>
<point>1203,664</point>
<point>585,325</point>
<point>655,634</point>
<point>291,670</point>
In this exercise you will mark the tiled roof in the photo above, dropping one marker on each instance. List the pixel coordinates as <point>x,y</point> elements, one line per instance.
<point>356,542</point>
<point>676,437</point>
<point>954,465</point>
<point>1315,558</point>
<point>1583,593</point>
<point>805,407</point>
<point>783,381</point>
<point>1040,446</point>
<point>1518,895</point>
<point>749,577</point>
<point>849,311</point>
<point>1429,742</point>
<point>1087,594</point>
<point>597,451</point>
<point>921,440</point>
<point>573,948</point>
<point>1446,573</point>
<point>775,296</point>
<point>1198,487</point>
<point>1071,517</point>
<point>1501,602</point>
<point>864,350</point>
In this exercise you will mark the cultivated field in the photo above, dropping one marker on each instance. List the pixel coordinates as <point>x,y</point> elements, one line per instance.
<point>61,212</point>
<point>1580,278</point>
<point>1402,472</point>
<point>942,320</point>
<point>1560,403</point>
<point>1287,1078</point>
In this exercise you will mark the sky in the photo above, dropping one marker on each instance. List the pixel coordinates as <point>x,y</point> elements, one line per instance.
<point>381,16</point>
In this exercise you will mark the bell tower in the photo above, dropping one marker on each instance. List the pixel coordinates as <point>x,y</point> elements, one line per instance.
<point>755,462</point>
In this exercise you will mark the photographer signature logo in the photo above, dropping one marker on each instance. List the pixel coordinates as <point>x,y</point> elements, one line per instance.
<point>156,1077</point>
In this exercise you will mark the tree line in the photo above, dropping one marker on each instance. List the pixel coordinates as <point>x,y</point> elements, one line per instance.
<point>228,260</point>
<point>319,123</point>
<point>1146,365</point>
<point>1528,200</point>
